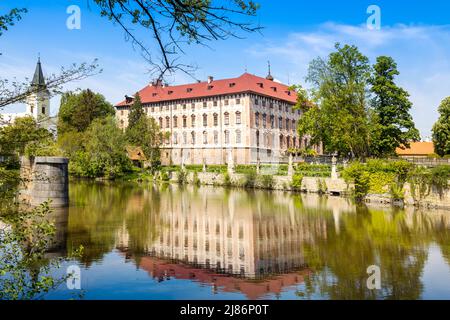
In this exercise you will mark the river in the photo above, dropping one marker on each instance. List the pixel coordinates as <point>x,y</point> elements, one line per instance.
<point>171,242</point>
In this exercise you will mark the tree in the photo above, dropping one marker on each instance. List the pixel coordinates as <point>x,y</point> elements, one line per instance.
<point>146,134</point>
<point>15,137</point>
<point>391,122</point>
<point>340,119</point>
<point>441,129</point>
<point>103,153</point>
<point>78,110</point>
<point>8,19</point>
<point>175,23</point>
<point>136,112</point>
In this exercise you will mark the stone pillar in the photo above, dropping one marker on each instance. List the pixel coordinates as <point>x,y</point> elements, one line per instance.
<point>204,165</point>
<point>258,166</point>
<point>290,166</point>
<point>230,163</point>
<point>334,174</point>
<point>45,178</point>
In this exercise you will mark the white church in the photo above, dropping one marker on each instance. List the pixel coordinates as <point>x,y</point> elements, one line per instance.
<point>38,104</point>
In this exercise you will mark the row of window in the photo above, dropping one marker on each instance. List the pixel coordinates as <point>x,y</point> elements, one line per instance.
<point>288,124</point>
<point>184,137</point>
<point>281,106</point>
<point>184,120</point>
<point>191,106</point>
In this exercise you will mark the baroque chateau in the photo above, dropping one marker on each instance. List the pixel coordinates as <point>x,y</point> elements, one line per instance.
<point>248,119</point>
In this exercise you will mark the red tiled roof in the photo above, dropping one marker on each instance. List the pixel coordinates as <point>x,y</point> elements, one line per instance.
<point>245,83</point>
<point>416,148</point>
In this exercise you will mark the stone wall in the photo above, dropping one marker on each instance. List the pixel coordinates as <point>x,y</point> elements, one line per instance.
<point>432,200</point>
<point>45,178</point>
<point>329,186</point>
<point>309,184</point>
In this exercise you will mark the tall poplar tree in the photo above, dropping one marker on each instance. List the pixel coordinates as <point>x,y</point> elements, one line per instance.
<point>136,111</point>
<point>391,123</point>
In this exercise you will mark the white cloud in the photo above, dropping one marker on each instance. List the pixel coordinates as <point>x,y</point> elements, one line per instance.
<point>422,54</point>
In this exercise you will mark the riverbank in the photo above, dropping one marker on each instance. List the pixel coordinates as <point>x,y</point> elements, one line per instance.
<point>411,196</point>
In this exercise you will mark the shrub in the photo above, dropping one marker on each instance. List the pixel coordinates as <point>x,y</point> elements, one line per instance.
<point>250,179</point>
<point>439,178</point>
<point>226,179</point>
<point>296,183</point>
<point>356,173</point>
<point>267,181</point>
<point>196,180</point>
<point>396,191</point>
<point>182,177</point>
<point>165,176</point>
<point>321,186</point>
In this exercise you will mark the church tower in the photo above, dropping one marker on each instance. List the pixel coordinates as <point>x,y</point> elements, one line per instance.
<point>38,102</point>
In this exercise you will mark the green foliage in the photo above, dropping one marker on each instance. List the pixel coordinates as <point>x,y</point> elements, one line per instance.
<point>391,123</point>
<point>78,110</point>
<point>146,134</point>
<point>25,272</point>
<point>103,153</point>
<point>339,85</point>
<point>41,148</point>
<point>356,173</point>
<point>314,170</point>
<point>441,129</point>
<point>15,137</point>
<point>440,176</point>
<point>165,176</point>
<point>8,20</point>
<point>396,191</point>
<point>136,112</point>
<point>196,181</point>
<point>182,177</point>
<point>227,179</point>
<point>266,181</point>
<point>296,183</point>
<point>250,179</point>
<point>321,186</point>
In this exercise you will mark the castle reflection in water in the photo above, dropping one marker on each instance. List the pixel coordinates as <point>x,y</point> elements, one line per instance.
<point>256,243</point>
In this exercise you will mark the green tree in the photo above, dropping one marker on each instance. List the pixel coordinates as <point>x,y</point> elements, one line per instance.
<point>146,134</point>
<point>391,123</point>
<point>339,83</point>
<point>78,110</point>
<point>15,137</point>
<point>441,129</point>
<point>103,153</point>
<point>136,112</point>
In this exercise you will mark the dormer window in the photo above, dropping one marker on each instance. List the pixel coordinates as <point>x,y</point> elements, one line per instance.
<point>288,93</point>
<point>170,92</point>
<point>154,94</point>
<point>232,84</point>
<point>189,90</point>
<point>260,84</point>
<point>274,89</point>
<point>210,87</point>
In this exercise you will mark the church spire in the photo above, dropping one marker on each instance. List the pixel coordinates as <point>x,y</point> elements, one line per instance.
<point>269,75</point>
<point>38,78</point>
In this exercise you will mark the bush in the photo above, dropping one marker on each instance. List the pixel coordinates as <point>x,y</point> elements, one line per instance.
<point>439,178</point>
<point>182,177</point>
<point>267,181</point>
<point>396,191</point>
<point>226,179</point>
<point>165,176</point>
<point>196,180</point>
<point>250,179</point>
<point>296,183</point>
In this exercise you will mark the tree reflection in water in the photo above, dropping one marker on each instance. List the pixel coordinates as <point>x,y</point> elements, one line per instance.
<point>257,242</point>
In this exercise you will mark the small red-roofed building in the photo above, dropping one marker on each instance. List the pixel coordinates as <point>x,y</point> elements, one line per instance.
<point>251,117</point>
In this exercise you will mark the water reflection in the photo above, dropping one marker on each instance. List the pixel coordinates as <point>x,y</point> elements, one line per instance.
<point>257,243</point>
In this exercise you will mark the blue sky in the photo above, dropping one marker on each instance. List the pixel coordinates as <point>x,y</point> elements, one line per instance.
<point>415,33</point>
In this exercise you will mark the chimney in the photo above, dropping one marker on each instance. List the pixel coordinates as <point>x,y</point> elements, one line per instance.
<point>210,79</point>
